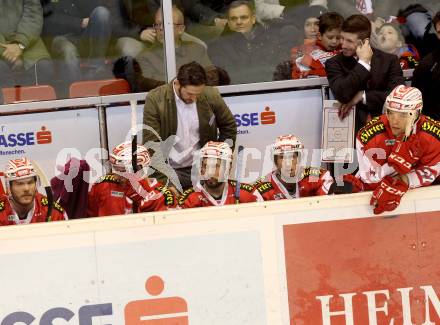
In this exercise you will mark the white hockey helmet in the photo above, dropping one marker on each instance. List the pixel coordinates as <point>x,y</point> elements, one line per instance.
<point>19,168</point>
<point>212,152</point>
<point>121,155</point>
<point>405,99</point>
<point>287,144</point>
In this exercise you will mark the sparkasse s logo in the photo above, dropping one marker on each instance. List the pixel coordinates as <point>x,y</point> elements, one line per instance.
<point>21,139</point>
<point>267,117</point>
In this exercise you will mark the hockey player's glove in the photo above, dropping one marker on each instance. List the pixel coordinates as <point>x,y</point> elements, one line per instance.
<point>386,197</point>
<point>356,184</point>
<point>404,155</point>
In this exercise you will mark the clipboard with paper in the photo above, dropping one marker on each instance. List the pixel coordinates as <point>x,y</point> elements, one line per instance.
<point>337,135</point>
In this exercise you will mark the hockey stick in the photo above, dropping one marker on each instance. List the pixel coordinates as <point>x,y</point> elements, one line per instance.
<point>47,188</point>
<point>237,174</point>
<point>133,103</point>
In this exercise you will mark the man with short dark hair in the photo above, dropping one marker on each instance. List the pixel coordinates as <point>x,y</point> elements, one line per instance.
<point>191,111</point>
<point>246,50</point>
<point>360,76</point>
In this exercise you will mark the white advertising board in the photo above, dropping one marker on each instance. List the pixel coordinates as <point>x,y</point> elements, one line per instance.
<point>43,136</point>
<point>260,119</point>
<point>211,279</point>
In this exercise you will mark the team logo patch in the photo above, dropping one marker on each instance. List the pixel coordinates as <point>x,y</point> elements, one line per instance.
<point>167,194</point>
<point>185,195</point>
<point>367,133</point>
<point>117,194</point>
<point>44,201</point>
<point>430,126</point>
<point>108,178</point>
<point>243,186</point>
<point>309,171</point>
<point>2,205</point>
<point>58,207</point>
<point>264,187</point>
<point>11,218</point>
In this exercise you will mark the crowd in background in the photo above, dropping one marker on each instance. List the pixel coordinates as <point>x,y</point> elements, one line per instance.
<point>59,42</point>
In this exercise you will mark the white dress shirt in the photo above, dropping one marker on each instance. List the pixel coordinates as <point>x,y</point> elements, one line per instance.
<point>188,137</point>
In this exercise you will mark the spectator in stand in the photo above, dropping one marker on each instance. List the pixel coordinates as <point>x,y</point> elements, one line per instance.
<point>360,76</point>
<point>23,204</point>
<point>192,112</point>
<point>24,59</point>
<point>214,187</point>
<point>247,50</point>
<point>114,193</point>
<point>390,40</point>
<point>311,63</point>
<point>133,21</point>
<point>415,18</point>
<point>151,59</point>
<point>76,30</point>
<point>290,179</point>
<point>426,77</point>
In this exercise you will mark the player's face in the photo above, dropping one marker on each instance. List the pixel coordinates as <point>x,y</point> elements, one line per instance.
<point>23,191</point>
<point>212,171</point>
<point>286,164</point>
<point>398,122</point>
<point>331,39</point>
<point>349,43</point>
<point>189,93</point>
<point>311,28</point>
<point>388,39</point>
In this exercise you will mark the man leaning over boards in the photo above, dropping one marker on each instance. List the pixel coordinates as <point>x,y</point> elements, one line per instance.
<point>360,76</point>
<point>191,111</point>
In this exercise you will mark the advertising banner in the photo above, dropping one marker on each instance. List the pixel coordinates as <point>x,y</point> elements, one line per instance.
<point>364,271</point>
<point>100,279</point>
<point>45,136</point>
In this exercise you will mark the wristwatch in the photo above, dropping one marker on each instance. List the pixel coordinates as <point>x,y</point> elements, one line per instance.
<point>21,46</point>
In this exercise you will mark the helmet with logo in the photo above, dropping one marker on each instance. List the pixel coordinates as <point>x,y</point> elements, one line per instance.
<point>213,151</point>
<point>405,99</point>
<point>18,169</point>
<point>291,146</point>
<point>121,155</point>
<point>287,144</point>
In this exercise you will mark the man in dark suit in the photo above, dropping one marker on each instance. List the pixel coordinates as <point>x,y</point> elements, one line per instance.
<point>360,76</point>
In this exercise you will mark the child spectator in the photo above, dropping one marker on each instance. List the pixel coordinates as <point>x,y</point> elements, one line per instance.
<point>312,60</point>
<point>390,40</point>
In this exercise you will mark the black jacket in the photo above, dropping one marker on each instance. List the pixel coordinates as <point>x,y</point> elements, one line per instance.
<point>346,77</point>
<point>65,16</point>
<point>246,59</point>
<point>426,77</point>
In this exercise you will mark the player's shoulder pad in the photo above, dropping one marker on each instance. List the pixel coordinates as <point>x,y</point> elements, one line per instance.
<point>243,186</point>
<point>431,127</point>
<point>371,129</point>
<point>185,195</point>
<point>58,207</point>
<point>167,194</point>
<point>45,202</point>
<point>107,179</point>
<point>312,171</point>
<point>263,187</point>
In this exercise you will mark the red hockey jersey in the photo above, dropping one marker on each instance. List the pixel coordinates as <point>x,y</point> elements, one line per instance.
<point>38,214</point>
<point>199,197</point>
<point>313,181</point>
